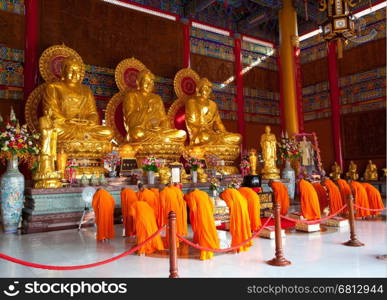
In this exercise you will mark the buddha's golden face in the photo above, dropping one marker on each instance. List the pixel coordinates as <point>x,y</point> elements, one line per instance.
<point>146,84</point>
<point>205,91</point>
<point>267,129</point>
<point>72,73</point>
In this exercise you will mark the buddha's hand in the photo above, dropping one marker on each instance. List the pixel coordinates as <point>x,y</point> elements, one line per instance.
<point>78,121</point>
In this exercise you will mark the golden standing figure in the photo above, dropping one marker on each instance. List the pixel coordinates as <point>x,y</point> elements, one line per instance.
<point>371,172</point>
<point>203,120</point>
<point>352,171</point>
<point>269,155</point>
<point>336,172</point>
<point>253,161</point>
<point>145,119</point>
<point>46,175</point>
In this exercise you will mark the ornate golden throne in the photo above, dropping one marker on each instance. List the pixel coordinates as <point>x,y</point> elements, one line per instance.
<point>87,153</point>
<point>185,83</point>
<point>126,75</point>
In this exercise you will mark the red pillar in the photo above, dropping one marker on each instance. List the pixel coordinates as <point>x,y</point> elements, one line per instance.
<point>334,93</point>
<point>31,46</point>
<point>239,88</point>
<point>281,101</point>
<point>187,43</point>
<point>297,76</point>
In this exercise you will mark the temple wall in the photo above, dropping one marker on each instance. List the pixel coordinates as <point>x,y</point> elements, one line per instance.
<point>362,82</point>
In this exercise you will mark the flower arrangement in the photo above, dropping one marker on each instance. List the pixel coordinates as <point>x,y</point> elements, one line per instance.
<point>235,182</point>
<point>194,163</point>
<point>212,160</point>
<point>151,164</point>
<point>71,170</point>
<point>214,184</point>
<point>112,160</point>
<point>17,141</point>
<point>287,150</point>
<point>245,166</point>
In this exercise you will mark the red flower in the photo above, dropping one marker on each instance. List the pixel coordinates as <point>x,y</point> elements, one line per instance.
<point>19,146</point>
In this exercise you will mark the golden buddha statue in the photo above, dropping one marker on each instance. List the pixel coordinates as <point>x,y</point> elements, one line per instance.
<point>352,171</point>
<point>203,120</point>
<point>145,119</point>
<point>269,155</point>
<point>336,172</point>
<point>165,175</point>
<point>46,175</point>
<point>371,172</point>
<point>253,161</point>
<point>202,176</point>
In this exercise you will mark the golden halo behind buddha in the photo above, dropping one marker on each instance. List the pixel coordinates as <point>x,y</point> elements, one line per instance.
<point>126,73</point>
<point>50,62</point>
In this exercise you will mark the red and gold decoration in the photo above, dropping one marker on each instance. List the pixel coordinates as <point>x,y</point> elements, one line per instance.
<point>339,25</point>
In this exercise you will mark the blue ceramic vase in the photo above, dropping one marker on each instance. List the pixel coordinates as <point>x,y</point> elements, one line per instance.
<point>12,196</point>
<point>289,173</point>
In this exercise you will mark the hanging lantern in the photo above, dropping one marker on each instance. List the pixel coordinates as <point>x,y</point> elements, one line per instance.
<point>339,24</point>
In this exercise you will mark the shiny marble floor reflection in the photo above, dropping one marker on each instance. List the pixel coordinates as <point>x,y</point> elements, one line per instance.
<point>318,254</point>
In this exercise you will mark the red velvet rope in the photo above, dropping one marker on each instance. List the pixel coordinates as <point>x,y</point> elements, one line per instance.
<point>315,221</point>
<point>65,268</point>
<point>226,249</point>
<point>370,209</point>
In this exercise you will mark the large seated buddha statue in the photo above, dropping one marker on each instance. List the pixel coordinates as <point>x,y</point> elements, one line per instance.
<point>138,116</point>
<point>206,129</point>
<point>70,110</point>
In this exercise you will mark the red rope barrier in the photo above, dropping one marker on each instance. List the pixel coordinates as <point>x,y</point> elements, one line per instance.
<point>370,209</point>
<point>226,249</point>
<point>315,221</point>
<point>65,268</point>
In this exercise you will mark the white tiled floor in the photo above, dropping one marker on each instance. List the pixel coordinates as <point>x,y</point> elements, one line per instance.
<point>312,255</point>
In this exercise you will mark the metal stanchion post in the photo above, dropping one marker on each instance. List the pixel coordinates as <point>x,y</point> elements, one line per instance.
<point>353,242</point>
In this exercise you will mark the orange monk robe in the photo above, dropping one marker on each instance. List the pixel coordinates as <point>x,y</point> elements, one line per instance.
<point>335,201</point>
<point>254,206</point>
<point>128,197</point>
<point>361,199</point>
<point>240,228</point>
<point>202,221</point>
<point>151,198</point>
<point>103,205</point>
<point>183,208</point>
<point>170,201</point>
<point>281,195</point>
<point>345,190</point>
<point>321,194</point>
<point>159,216</point>
<point>374,198</point>
<point>310,207</point>
<point>145,223</point>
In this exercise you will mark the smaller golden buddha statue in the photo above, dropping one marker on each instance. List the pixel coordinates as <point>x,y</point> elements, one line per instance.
<point>145,119</point>
<point>371,172</point>
<point>202,176</point>
<point>352,171</point>
<point>253,161</point>
<point>203,120</point>
<point>336,172</point>
<point>184,176</point>
<point>165,174</point>
<point>269,155</point>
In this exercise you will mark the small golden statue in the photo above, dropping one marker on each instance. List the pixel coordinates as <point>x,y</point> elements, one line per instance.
<point>336,172</point>
<point>203,120</point>
<point>184,176</point>
<point>352,171</point>
<point>269,155</point>
<point>202,176</point>
<point>371,172</point>
<point>145,119</point>
<point>384,172</point>
<point>253,161</point>
<point>165,174</point>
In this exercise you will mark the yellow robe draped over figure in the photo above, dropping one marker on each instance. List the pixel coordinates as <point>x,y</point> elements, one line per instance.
<point>310,207</point>
<point>321,194</point>
<point>240,228</point>
<point>335,200</point>
<point>361,199</point>
<point>151,198</point>
<point>73,108</point>
<point>374,198</point>
<point>281,195</point>
<point>202,221</point>
<point>345,191</point>
<point>145,119</point>
<point>103,205</point>
<point>145,223</point>
<point>254,206</point>
<point>128,197</point>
